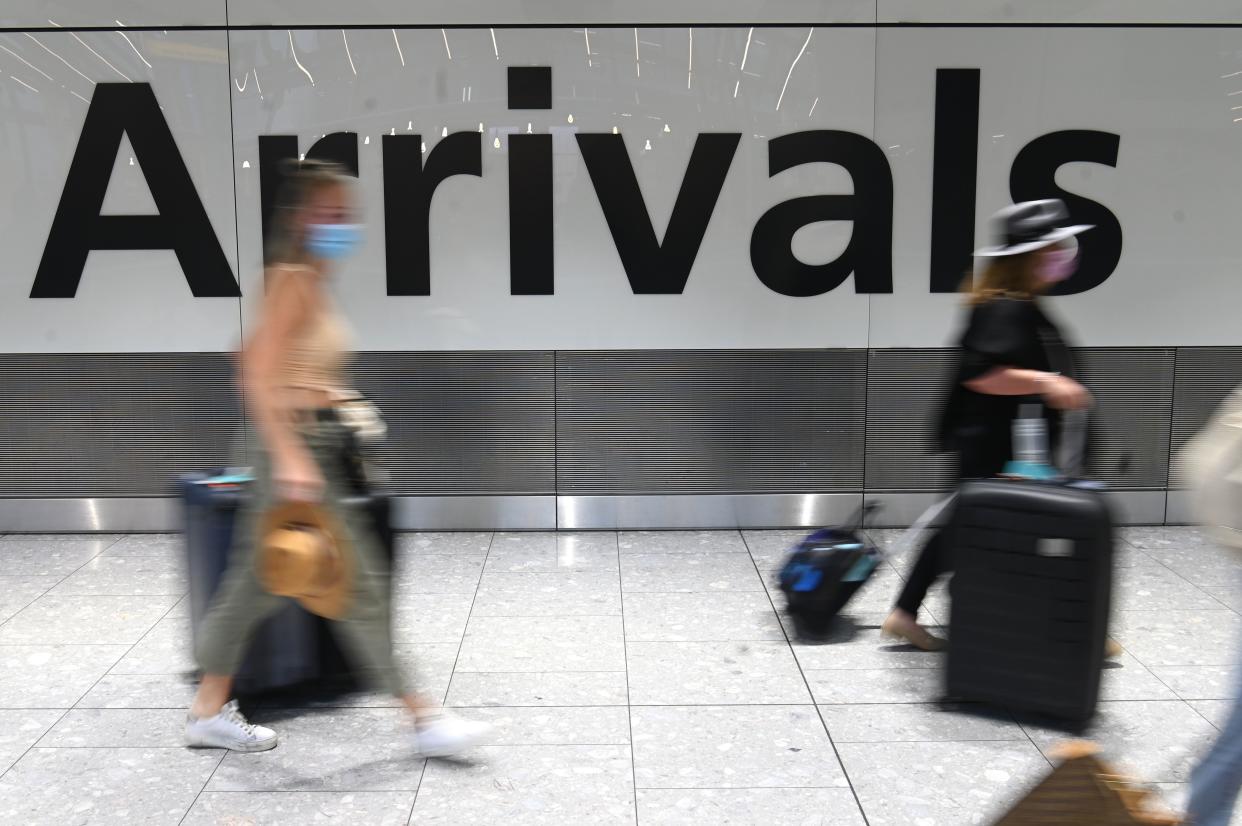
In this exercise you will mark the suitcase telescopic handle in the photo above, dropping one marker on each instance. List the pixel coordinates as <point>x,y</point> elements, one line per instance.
<point>858,521</point>
<point>1030,437</point>
<point>1073,446</point>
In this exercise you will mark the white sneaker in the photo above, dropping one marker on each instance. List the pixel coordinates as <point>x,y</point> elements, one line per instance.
<point>445,735</point>
<point>228,730</point>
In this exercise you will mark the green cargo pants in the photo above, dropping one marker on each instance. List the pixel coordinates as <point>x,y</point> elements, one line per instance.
<point>241,604</point>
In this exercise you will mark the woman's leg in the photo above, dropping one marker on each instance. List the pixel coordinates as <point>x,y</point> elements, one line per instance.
<point>213,692</point>
<point>366,630</point>
<point>903,621</point>
<point>239,607</point>
<point>930,565</point>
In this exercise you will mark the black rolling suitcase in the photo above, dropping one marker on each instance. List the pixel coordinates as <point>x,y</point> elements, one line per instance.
<point>294,647</point>
<point>1031,595</point>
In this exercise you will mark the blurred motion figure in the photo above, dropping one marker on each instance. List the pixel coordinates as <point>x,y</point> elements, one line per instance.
<point>1212,466</point>
<point>1010,352</point>
<point>293,377</point>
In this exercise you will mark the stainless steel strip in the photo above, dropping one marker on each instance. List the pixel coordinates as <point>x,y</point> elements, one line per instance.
<point>777,510</point>
<point>93,515</point>
<point>474,513</point>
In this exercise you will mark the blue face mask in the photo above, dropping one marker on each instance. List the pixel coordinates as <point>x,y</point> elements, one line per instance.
<point>332,241</point>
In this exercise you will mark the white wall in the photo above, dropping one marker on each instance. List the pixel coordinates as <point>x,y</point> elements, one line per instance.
<point>1169,93</point>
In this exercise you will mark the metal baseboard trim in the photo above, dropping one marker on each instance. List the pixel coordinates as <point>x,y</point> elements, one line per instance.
<point>1178,510</point>
<point>154,514</point>
<point>580,513</point>
<point>900,509</point>
<point>474,513</point>
<point>1138,507</point>
<point>682,512</point>
<point>163,514</point>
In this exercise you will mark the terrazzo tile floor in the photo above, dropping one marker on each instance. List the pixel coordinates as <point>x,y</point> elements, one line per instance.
<point>629,678</point>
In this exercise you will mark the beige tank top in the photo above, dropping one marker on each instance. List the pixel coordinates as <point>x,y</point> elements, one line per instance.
<point>320,352</point>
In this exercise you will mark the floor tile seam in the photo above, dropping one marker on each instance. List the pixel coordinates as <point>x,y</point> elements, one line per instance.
<point>128,651</point>
<point>544,671</point>
<point>547,616</point>
<point>629,706</point>
<point>1224,609</point>
<point>446,641</point>
<point>57,584</point>
<point>866,668</point>
<point>178,599</point>
<point>944,741</point>
<point>474,707</point>
<point>842,788</point>
<point>806,683</point>
<point>1031,739</point>
<point>398,593</point>
<point>369,790</point>
<point>306,791</point>
<point>1218,599</point>
<point>1150,667</point>
<point>177,747</point>
<point>786,704</point>
<point>80,707</point>
<point>747,640</point>
<point>1178,575</point>
<point>130,594</point>
<point>1182,700</point>
<point>558,572</point>
<point>713,592</point>
<point>624,590</point>
<point>873,703</point>
<point>726,704</point>
<point>625,553</point>
<point>31,747</point>
<point>1204,717</point>
<point>422,773</point>
<point>491,540</point>
<point>625,746</point>
<point>38,708</point>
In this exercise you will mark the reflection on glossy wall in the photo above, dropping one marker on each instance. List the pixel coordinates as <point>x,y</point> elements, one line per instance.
<point>1171,95</point>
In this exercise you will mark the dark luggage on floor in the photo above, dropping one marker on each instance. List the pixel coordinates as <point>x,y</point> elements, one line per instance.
<point>1031,594</point>
<point>821,575</point>
<point>292,648</point>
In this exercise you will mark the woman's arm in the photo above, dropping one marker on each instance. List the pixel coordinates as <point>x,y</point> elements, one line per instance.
<point>1059,391</point>
<point>285,310</point>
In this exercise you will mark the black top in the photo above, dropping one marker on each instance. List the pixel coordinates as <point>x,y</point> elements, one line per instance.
<point>1002,332</point>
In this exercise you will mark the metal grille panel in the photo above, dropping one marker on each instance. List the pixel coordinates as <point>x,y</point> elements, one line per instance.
<point>623,423</point>
<point>464,423</point>
<point>123,424</point>
<point>1133,389</point>
<point>710,421</point>
<point>905,389</point>
<point>1204,377</point>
